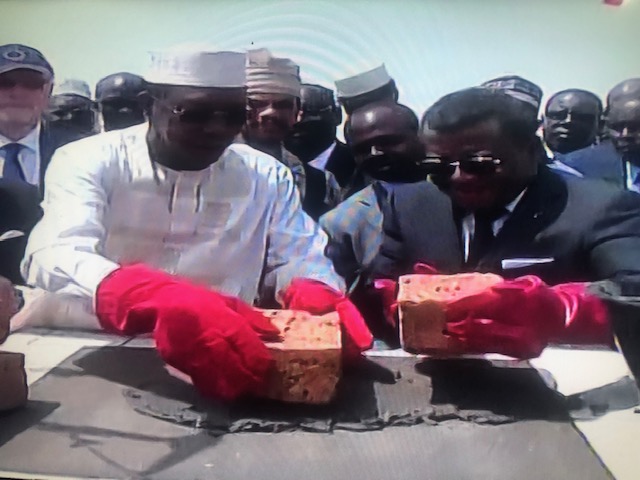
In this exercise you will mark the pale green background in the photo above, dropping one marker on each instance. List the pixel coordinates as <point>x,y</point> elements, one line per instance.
<point>431,47</point>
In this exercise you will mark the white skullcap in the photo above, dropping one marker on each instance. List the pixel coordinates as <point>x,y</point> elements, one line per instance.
<point>362,83</point>
<point>269,74</point>
<point>72,86</point>
<point>197,66</point>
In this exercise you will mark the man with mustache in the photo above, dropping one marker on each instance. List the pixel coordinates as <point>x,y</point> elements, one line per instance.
<point>71,114</point>
<point>617,159</point>
<point>273,105</point>
<point>119,98</point>
<point>169,228</point>
<point>571,121</point>
<point>26,79</point>
<point>313,138</point>
<point>567,247</point>
<point>385,144</point>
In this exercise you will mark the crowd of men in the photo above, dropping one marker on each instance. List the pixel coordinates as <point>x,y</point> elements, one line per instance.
<point>172,204</point>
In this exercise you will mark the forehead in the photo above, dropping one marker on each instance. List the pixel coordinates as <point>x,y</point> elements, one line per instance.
<point>625,111</point>
<point>200,95</point>
<point>372,123</point>
<point>482,136</point>
<point>574,101</point>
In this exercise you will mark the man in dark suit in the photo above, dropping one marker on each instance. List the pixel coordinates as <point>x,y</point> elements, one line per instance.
<point>313,137</point>
<point>617,159</point>
<point>26,80</point>
<point>507,214</point>
<point>19,212</point>
<point>387,151</point>
<point>571,120</point>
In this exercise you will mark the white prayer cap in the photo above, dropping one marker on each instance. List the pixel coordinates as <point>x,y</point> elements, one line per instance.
<point>362,83</point>
<point>72,86</point>
<point>197,66</point>
<point>269,74</point>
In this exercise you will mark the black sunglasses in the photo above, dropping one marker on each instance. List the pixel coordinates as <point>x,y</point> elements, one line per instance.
<point>202,116</point>
<point>30,83</point>
<point>473,164</point>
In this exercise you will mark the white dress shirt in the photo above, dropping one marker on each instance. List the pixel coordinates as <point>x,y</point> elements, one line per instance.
<point>320,162</point>
<point>234,226</point>
<point>29,156</point>
<point>469,224</point>
<point>632,177</point>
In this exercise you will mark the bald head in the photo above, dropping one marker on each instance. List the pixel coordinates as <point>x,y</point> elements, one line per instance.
<point>572,120</point>
<point>387,116</point>
<point>384,137</point>
<point>626,89</point>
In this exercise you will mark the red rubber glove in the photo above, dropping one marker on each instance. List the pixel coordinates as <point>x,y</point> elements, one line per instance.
<point>318,299</point>
<point>520,317</point>
<point>387,289</point>
<point>213,338</point>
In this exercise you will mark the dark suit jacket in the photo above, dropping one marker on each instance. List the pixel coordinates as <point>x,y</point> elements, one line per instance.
<point>48,145</point>
<point>591,231</point>
<point>19,210</point>
<point>601,161</point>
<point>313,202</point>
<point>341,163</point>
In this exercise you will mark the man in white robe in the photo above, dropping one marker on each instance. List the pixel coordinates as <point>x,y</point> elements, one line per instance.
<point>136,220</point>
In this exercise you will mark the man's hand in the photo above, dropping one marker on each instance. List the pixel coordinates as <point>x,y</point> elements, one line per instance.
<point>318,299</point>
<point>520,317</point>
<point>213,338</point>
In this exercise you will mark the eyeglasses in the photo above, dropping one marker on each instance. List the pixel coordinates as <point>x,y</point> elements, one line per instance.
<point>284,104</point>
<point>622,130</point>
<point>35,82</point>
<point>202,115</point>
<point>473,164</point>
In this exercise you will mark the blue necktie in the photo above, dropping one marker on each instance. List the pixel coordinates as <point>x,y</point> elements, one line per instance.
<point>12,169</point>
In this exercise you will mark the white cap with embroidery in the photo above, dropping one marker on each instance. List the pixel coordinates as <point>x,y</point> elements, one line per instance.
<point>362,83</point>
<point>269,74</point>
<point>197,66</point>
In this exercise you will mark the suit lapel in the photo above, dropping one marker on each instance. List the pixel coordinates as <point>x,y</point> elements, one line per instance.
<point>434,218</point>
<point>341,163</point>
<point>47,148</point>
<point>541,205</point>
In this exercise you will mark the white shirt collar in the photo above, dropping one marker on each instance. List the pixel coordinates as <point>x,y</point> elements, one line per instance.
<point>631,174</point>
<point>31,140</point>
<point>511,206</point>
<point>320,162</point>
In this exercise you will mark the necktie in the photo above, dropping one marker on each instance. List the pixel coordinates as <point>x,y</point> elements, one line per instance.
<point>12,169</point>
<point>482,236</point>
